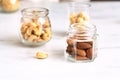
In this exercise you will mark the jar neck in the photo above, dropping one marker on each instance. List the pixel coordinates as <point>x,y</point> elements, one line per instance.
<point>80,7</point>
<point>35,12</point>
<point>82,30</point>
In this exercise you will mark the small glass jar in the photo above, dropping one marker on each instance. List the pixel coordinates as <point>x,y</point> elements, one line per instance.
<point>10,5</point>
<point>81,45</point>
<point>79,12</point>
<point>35,26</point>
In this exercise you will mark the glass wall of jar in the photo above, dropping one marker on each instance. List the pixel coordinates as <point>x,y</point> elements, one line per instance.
<point>10,5</point>
<point>81,43</point>
<point>35,26</point>
<point>79,12</point>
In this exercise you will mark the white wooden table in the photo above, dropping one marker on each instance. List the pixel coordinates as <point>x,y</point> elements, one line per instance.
<point>18,62</point>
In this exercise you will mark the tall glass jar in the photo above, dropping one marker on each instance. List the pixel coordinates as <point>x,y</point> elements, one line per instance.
<point>79,12</point>
<point>35,26</point>
<point>81,45</point>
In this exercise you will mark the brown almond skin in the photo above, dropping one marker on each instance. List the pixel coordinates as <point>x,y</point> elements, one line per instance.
<point>91,43</point>
<point>83,45</point>
<point>69,49</point>
<point>70,42</point>
<point>81,52</point>
<point>80,58</point>
<point>89,53</point>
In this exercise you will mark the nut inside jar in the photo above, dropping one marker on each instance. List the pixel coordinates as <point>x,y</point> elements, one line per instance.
<point>80,50</point>
<point>35,32</point>
<point>81,17</point>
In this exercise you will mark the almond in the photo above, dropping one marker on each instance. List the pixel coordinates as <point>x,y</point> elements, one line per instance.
<point>83,45</point>
<point>69,49</point>
<point>81,52</point>
<point>80,58</point>
<point>89,53</point>
<point>91,43</point>
<point>70,42</point>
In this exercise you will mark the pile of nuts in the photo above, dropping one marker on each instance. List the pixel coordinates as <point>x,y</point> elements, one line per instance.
<point>81,17</point>
<point>35,32</point>
<point>80,50</point>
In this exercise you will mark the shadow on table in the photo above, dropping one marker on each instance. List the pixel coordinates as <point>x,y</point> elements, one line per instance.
<point>58,55</point>
<point>59,34</point>
<point>14,43</point>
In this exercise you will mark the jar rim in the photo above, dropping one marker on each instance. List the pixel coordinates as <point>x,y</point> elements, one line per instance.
<point>83,27</point>
<point>40,11</point>
<point>82,4</point>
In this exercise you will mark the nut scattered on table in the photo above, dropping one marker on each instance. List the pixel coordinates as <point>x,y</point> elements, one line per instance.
<point>41,55</point>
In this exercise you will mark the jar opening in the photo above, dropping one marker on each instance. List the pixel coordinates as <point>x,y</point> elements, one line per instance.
<point>35,12</point>
<point>80,4</point>
<point>83,29</point>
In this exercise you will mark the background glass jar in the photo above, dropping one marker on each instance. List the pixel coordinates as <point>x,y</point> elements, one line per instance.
<point>81,43</point>
<point>9,5</point>
<point>79,12</point>
<point>35,26</point>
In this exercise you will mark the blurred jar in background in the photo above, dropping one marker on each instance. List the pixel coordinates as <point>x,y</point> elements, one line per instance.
<point>10,5</point>
<point>42,0</point>
<point>82,0</point>
<point>79,12</point>
<point>0,2</point>
<point>76,0</point>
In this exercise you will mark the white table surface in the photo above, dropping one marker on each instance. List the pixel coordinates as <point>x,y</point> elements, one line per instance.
<point>18,62</point>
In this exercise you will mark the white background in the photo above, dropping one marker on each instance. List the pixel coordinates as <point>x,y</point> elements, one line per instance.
<point>18,62</point>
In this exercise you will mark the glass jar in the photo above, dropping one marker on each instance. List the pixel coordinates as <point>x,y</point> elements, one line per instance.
<point>82,0</point>
<point>81,45</point>
<point>10,5</point>
<point>35,26</point>
<point>79,12</point>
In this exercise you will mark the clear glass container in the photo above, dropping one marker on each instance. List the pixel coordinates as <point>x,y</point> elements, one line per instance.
<point>35,26</point>
<point>79,12</point>
<point>10,5</point>
<point>81,43</point>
